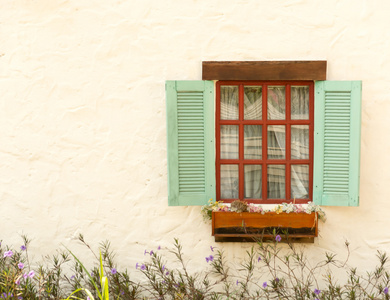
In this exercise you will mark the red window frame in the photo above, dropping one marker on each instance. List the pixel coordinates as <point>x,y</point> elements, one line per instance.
<point>264,162</point>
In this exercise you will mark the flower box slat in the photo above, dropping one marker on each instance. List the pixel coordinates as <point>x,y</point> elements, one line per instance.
<point>254,225</point>
<point>258,235</point>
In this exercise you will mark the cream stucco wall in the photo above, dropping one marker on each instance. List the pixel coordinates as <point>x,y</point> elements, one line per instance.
<point>82,113</point>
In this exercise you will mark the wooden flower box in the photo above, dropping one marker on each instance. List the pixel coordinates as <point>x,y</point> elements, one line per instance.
<point>247,227</point>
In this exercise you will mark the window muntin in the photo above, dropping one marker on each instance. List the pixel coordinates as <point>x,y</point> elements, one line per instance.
<point>264,141</point>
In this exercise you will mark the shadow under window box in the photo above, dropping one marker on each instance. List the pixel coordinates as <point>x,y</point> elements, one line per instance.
<point>250,227</point>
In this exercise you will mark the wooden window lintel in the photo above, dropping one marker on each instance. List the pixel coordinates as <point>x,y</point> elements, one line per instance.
<point>264,70</point>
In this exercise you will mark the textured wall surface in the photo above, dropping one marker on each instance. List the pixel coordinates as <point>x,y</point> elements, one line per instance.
<point>82,113</point>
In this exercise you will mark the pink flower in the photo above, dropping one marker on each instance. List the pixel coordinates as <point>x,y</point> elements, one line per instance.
<point>8,253</point>
<point>31,274</point>
<point>299,208</point>
<point>254,208</point>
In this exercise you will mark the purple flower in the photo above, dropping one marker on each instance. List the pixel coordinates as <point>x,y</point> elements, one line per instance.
<point>317,291</point>
<point>31,274</point>
<point>8,253</point>
<point>5,295</point>
<point>25,275</point>
<point>167,273</point>
<point>20,265</point>
<point>136,265</point>
<point>143,267</point>
<point>276,279</point>
<point>163,268</point>
<point>146,252</point>
<point>265,284</point>
<point>259,259</point>
<point>113,271</point>
<point>209,258</point>
<point>278,238</point>
<point>17,282</point>
<point>23,247</point>
<point>151,253</point>
<point>386,290</point>
<point>72,277</point>
<point>212,248</point>
<point>237,282</point>
<point>159,248</point>
<point>88,298</point>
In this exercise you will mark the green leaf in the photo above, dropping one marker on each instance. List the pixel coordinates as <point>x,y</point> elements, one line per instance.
<point>78,290</point>
<point>105,291</point>
<point>89,275</point>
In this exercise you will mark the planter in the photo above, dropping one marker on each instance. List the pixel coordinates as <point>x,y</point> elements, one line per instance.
<point>232,226</point>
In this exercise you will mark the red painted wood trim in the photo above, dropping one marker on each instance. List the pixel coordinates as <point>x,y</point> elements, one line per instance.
<point>241,185</point>
<point>311,140</point>
<point>288,141</point>
<point>264,143</point>
<point>264,162</point>
<point>218,140</point>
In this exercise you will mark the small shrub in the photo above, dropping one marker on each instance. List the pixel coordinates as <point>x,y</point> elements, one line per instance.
<point>18,280</point>
<point>268,271</point>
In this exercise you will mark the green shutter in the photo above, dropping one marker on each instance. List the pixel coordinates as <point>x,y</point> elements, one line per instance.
<point>337,143</point>
<point>190,132</point>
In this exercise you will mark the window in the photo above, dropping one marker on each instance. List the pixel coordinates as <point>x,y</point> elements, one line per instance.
<point>191,131</point>
<point>264,141</point>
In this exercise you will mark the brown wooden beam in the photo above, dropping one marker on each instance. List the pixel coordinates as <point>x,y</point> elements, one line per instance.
<point>264,70</point>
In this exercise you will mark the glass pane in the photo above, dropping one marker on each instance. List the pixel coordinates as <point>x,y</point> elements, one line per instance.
<point>252,141</point>
<point>252,179</point>
<point>229,102</point>
<point>299,102</point>
<point>276,141</point>
<point>276,181</point>
<point>252,102</point>
<point>300,142</point>
<point>229,142</point>
<point>276,103</point>
<point>300,181</point>
<point>229,181</point>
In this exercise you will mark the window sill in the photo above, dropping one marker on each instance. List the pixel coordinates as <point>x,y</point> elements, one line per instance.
<point>249,227</point>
